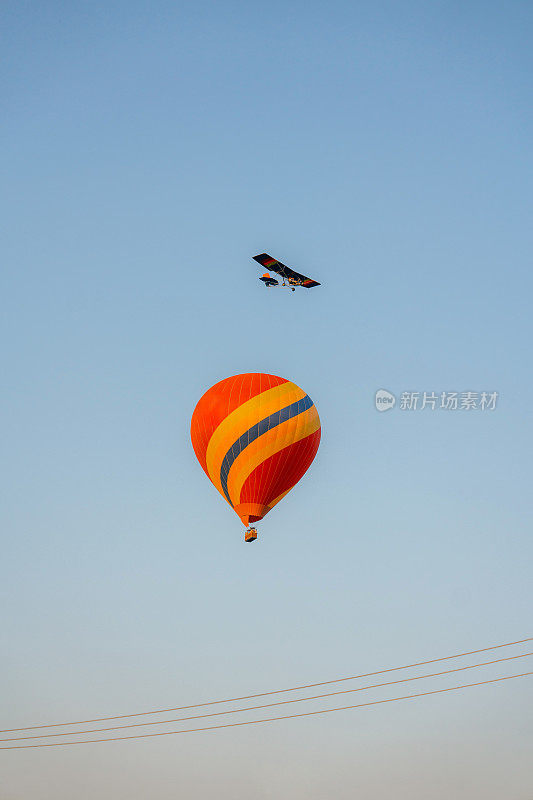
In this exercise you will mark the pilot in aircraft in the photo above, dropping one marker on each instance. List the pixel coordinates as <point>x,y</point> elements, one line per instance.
<point>268,280</point>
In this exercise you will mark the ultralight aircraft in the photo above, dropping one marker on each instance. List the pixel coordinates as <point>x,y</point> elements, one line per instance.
<point>289,276</point>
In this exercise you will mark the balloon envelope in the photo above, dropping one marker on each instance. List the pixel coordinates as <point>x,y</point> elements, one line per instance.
<point>255,435</point>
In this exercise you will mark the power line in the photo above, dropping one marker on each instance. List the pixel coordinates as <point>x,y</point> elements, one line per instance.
<point>270,719</point>
<point>266,705</point>
<point>266,694</point>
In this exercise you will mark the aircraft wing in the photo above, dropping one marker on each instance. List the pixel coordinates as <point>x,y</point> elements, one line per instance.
<point>286,272</point>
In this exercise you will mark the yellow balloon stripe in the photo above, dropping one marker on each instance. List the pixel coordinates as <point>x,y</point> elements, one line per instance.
<point>241,419</point>
<point>270,443</point>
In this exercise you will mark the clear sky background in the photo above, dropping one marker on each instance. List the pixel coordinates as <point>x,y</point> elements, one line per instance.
<point>149,150</point>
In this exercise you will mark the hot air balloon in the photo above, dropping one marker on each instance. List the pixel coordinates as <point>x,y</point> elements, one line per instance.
<point>255,435</point>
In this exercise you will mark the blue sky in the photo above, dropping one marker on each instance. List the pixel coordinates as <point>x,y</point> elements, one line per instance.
<point>150,150</point>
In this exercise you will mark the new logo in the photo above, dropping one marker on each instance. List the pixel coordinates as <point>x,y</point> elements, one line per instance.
<point>384,400</point>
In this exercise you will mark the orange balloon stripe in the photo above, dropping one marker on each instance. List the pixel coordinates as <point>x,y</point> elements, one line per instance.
<point>299,463</point>
<point>217,405</point>
<point>287,466</point>
<point>260,480</point>
<point>260,429</point>
<point>221,400</point>
<point>277,467</point>
<point>266,446</point>
<point>277,475</point>
<point>259,471</point>
<point>241,420</point>
<point>264,475</point>
<point>290,462</point>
